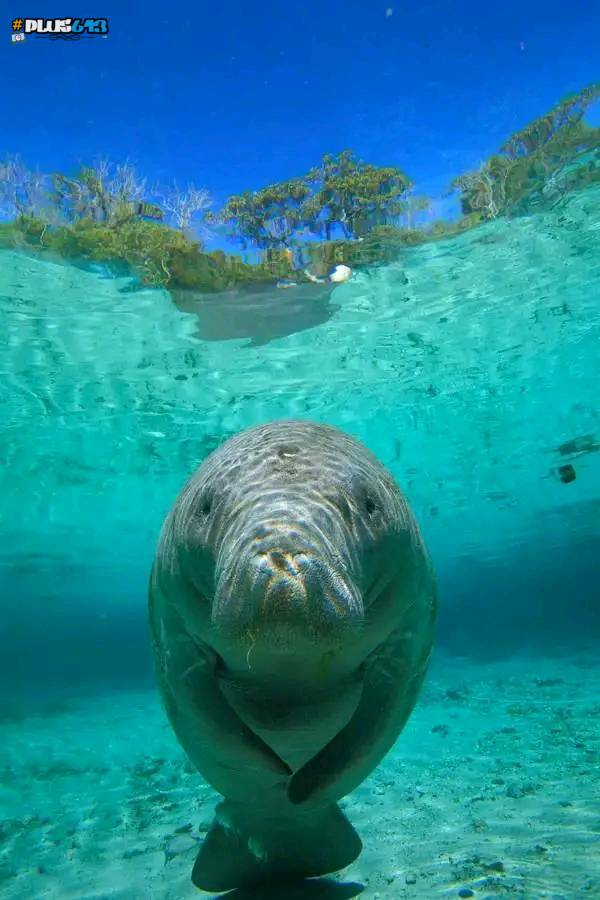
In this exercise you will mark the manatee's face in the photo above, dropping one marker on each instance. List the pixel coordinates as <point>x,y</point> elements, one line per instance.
<point>288,535</point>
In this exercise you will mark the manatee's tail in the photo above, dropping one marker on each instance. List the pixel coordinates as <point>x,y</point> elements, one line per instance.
<point>247,847</point>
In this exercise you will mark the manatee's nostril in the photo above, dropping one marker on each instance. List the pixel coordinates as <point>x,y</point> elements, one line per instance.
<point>278,559</point>
<point>302,559</point>
<point>286,451</point>
<point>282,562</point>
<point>370,506</point>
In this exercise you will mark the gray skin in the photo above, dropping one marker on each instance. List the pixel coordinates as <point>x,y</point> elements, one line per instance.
<point>292,606</point>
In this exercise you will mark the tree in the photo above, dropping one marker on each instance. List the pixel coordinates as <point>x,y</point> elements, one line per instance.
<point>562,117</point>
<point>484,191</point>
<point>267,218</point>
<point>104,193</point>
<point>414,204</point>
<point>353,194</point>
<point>22,192</point>
<point>531,159</point>
<point>341,191</point>
<point>183,205</point>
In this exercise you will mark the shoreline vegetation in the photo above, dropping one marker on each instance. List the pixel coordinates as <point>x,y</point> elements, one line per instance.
<point>343,211</point>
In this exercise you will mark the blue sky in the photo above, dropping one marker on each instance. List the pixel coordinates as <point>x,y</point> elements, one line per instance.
<point>235,95</point>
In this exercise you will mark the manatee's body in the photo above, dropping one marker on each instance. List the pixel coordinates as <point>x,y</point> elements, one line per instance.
<point>292,606</point>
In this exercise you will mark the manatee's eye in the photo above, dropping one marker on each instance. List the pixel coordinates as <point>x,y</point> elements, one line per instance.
<point>370,505</point>
<point>285,451</point>
<point>365,497</point>
<point>205,506</point>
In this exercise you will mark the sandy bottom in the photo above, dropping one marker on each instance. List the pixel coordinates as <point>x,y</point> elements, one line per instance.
<point>492,789</point>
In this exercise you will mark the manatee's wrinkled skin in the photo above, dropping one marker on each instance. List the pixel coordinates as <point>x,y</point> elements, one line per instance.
<point>292,606</point>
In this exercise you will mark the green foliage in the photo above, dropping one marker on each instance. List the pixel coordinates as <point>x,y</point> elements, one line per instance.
<point>562,118</point>
<point>532,161</point>
<point>354,195</point>
<point>27,229</point>
<point>102,193</point>
<point>158,255</point>
<point>100,213</point>
<point>341,191</point>
<point>442,229</point>
<point>485,191</point>
<point>267,218</point>
<point>279,262</point>
<point>150,249</point>
<point>382,244</point>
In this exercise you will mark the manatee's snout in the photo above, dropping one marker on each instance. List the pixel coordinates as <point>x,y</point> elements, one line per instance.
<point>281,588</point>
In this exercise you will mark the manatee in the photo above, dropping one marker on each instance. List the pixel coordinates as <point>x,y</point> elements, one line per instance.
<point>292,605</point>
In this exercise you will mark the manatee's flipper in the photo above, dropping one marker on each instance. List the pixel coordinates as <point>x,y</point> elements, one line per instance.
<point>223,749</point>
<point>247,846</point>
<point>391,683</point>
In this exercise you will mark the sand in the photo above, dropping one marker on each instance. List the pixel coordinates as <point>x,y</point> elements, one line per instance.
<point>492,788</point>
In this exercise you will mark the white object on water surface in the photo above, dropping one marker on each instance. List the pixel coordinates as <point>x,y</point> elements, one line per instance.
<point>341,273</point>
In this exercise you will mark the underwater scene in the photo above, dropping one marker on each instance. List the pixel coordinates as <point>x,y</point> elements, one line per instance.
<point>300,469</point>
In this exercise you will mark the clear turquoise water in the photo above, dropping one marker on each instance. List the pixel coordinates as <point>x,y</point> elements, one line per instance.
<point>470,368</point>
